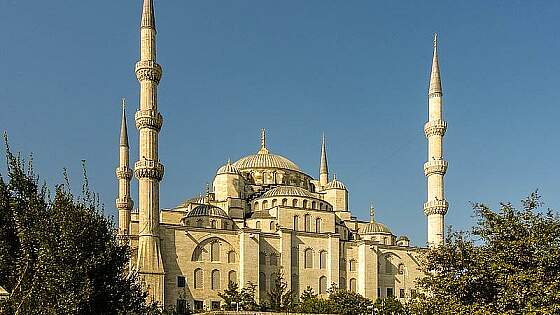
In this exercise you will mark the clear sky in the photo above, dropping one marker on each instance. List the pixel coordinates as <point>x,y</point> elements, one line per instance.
<point>356,70</point>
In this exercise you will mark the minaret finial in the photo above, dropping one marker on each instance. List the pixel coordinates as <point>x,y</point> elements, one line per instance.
<point>435,79</point>
<point>263,149</point>
<point>124,133</point>
<point>371,213</point>
<point>324,169</point>
<point>148,16</point>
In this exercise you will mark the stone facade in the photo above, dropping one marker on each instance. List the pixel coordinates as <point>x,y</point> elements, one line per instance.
<point>262,216</point>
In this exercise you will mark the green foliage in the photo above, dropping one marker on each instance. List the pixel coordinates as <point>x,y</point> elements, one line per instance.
<point>347,303</point>
<point>245,297</point>
<point>280,297</point>
<point>507,264</point>
<point>388,306</point>
<point>311,303</point>
<point>60,256</point>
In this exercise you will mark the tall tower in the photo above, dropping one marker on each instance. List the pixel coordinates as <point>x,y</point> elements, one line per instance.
<point>324,170</point>
<point>148,169</point>
<point>124,175</point>
<point>435,168</point>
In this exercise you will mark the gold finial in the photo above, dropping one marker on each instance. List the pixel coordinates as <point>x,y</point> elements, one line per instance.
<point>371,212</point>
<point>435,40</point>
<point>263,149</point>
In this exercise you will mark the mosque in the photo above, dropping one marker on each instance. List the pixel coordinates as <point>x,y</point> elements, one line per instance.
<point>262,216</point>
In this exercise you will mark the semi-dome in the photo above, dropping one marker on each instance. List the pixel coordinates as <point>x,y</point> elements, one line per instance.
<point>335,184</point>
<point>291,191</point>
<point>207,211</point>
<point>375,228</point>
<point>195,200</point>
<point>228,168</point>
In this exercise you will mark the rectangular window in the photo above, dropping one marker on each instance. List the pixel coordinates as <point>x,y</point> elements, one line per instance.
<point>181,307</point>
<point>378,292</point>
<point>180,281</point>
<point>198,305</point>
<point>389,292</point>
<point>215,305</point>
<point>401,294</point>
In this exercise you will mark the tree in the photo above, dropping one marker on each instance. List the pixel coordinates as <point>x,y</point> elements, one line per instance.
<point>388,306</point>
<point>60,255</point>
<point>280,297</point>
<point>309,302</point>
<point>244,297</point>
<point>507,264</point>
<point>347,303</point>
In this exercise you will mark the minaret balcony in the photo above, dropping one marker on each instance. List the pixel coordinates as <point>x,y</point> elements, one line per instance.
<point>435,127</point>
<point>124,203</point>
<point>123,172</point>
<point>435,167</point>
<point>436,207</point>
<point>149,169</point>
<point>148,119</point>
<point>148,70</point>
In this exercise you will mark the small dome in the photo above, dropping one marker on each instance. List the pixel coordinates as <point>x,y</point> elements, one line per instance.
<point>335,184</point>
<point>291,191</point>
<point>228,168</point>
<point>194,200</point>
<point>207,211</point>
<point>375,228</point>
<point>403,238</point>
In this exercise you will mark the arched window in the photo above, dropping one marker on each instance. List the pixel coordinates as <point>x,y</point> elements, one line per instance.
<point>284,202</point>
<point>215,279</point>
<point>273,279</point>
<point>353,285</point>
<point>231,257</point>
<point>294,203</point>
<point>307,220</point>
<point>401,269</point>
<point>352,265</point>
<point>321,206</point>
<point>232,276</point>
<point>323,260</point>
<point>388,266</point>
<point>213,224</point>
<point>198,278</point>
<point>265,205</point>
<point>215,251</point>
<point>199,223</point>
<point>304,203</point>
<point>262,258</point>
<point>313,205</point>
<point>272,226</point>
<point>273,260</point>
<point>323,285</point>
<point>308,258</point>
<point>342,283</point>
<point>296,222</point>
<point>197,255</point>
<point>257,207</point>
<point>262,282</point>
<point>273,202</point>
<point>318,225</point>
<point>258,225</point>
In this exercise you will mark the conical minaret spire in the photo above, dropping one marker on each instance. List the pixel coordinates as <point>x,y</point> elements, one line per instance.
<point>324,169</point>
<point>124,175</point>
<point>263,149</point>
<point>371,213</point>
<point>148,169</point>
<point>435,168</point>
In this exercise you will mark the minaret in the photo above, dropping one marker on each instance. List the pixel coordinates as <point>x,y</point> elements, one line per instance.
<point>263,149</point>
<point>148,169</point>
<point>436,206</point>
<point>324,170</point>
<point>371,213</point>
<point>124,175</point>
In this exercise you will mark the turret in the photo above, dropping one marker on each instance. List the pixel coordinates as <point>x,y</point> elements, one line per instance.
<point>324,169</point>
<point>148,169</point>
<point>435,168</point>
<point>124,175</point>
<point>337,195</point>
<point>228,182</point>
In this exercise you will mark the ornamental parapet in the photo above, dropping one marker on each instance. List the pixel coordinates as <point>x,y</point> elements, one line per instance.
<point>124,203</point>
<point>148,119</point>
<point>149,169</point>
<point>435,167</point>
<point>435,94</point>
<point>435,127</point>
<point>123,172</point>
<point>148,70</point>
<point>436,207</point>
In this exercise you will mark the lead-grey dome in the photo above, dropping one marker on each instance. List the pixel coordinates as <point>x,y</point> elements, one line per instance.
<point>375,228</point>
<point>207,211</point>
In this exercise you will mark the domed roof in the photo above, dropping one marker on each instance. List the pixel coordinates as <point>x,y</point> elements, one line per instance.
<point>335,184</point>
<point>264,159</point>
<point>207,211</point>
<point>375,228</point>
<point>228,168</point>
<point>288,191</point>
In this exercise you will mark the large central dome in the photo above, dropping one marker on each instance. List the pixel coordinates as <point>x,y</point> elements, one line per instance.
<point>264,159</point>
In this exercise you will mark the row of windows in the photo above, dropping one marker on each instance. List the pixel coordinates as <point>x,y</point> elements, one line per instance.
<point>402,294</point>
<point>308,259</point>
<point>214,253</point>
<point>295,203</point>
<point>307,224</point>
<point>215,279</point>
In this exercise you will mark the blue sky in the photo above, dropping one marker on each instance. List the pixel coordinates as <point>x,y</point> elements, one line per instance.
<point>356,70</point>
